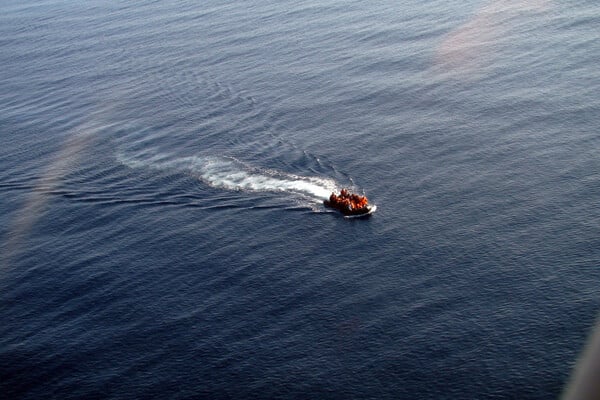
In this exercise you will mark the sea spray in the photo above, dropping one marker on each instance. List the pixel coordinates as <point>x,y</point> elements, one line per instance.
<point>232,174</point>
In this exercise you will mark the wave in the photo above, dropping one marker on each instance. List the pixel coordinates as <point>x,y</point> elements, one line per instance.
<point>232,174</point>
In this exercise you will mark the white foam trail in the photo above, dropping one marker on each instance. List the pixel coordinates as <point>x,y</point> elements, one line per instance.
<point>231,174</point>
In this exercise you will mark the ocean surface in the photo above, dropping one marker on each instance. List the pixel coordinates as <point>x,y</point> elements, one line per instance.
<point>162,171</point>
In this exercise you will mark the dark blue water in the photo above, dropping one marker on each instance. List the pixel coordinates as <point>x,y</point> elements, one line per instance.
<point>162,167</point>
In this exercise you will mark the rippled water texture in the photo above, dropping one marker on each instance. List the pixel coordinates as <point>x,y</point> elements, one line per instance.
<point>163,166</point>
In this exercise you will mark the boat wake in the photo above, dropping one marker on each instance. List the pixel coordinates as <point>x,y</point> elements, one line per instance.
<point>232,174</point>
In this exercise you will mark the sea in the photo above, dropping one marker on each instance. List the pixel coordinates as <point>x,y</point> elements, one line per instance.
<point>163,166</point>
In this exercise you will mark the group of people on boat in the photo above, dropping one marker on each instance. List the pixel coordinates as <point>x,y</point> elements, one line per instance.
<point>348,201</point>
